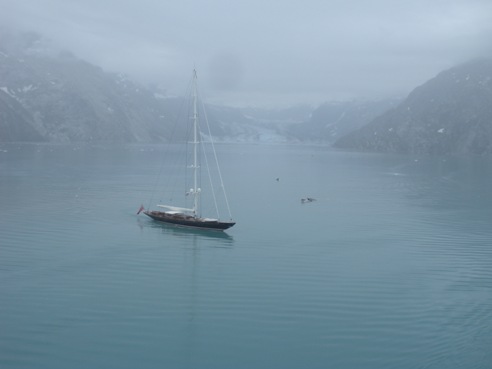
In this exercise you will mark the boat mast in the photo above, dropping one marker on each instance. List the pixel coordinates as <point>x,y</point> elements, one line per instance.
<point>196,190</point>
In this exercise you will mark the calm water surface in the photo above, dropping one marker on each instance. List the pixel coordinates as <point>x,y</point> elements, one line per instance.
<point>391,267</point>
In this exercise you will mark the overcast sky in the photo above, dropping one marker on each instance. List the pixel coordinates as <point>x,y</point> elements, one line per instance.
<point>267,52</point>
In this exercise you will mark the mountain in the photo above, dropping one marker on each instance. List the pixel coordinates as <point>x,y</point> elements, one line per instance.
<point>451,113</point>
<point>61,98</point>
<point>16,124</point>
<point>332,120</point>
<point>261,125</point>
<point>298,124</point>
<point>47,94</point>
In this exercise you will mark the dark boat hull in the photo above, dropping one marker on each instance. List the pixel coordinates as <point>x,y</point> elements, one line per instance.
<point>183,220</point>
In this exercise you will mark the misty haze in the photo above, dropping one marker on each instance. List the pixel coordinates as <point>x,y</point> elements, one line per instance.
<point>353,143</point>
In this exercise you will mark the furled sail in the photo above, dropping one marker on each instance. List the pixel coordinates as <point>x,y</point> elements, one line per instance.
<point>176,208</point>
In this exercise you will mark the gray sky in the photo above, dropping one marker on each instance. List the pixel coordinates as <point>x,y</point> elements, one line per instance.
<point>261,52</point>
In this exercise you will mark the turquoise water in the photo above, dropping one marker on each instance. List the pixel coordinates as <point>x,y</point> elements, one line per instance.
<point>391,267</point>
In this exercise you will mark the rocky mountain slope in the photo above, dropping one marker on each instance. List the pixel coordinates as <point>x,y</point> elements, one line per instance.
<point>333,120</point>
<point>451,113</point>
<point>15,121</point>
<point>61,98</point>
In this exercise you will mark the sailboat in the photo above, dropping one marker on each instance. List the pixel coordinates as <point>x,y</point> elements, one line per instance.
<point>191,216</point>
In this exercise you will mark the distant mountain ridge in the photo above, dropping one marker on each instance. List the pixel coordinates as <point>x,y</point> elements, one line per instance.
<point>49,95</point>
<point>451,113</point>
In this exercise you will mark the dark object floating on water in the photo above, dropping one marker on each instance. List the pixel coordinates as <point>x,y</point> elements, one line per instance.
<point>185,220</point>
<point>307,199</point>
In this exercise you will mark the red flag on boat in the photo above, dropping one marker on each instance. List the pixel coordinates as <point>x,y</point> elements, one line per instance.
<point>140,210</point>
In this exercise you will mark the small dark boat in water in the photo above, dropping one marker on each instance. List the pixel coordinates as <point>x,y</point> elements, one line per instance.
<point>184,220</point>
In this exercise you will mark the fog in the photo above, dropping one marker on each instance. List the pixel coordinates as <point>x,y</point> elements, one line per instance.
<point>267,53</point>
